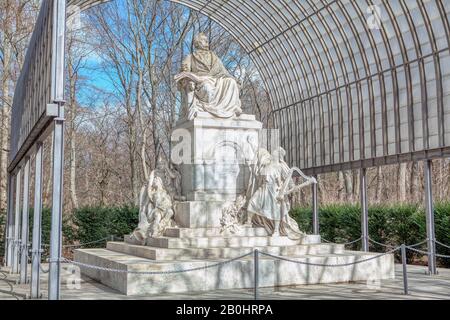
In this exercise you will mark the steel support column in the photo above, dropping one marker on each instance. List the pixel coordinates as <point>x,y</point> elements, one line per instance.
<point>59,19</point>
<point>37,217</point>
<point>364,211</point>
<point>9,222</point>
<point>429,211</point>
<point>16,240</point>
<point>57,201</point>
<point>315,208</point>
<point>25,213</point>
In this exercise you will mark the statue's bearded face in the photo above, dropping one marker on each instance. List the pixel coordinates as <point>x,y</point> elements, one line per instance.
<point>201,42</point>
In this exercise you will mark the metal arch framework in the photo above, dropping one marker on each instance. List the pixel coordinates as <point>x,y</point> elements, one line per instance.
<point>352,84</point>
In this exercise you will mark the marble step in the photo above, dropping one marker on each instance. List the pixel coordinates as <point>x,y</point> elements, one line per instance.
<point>239,274</point>
<point>212,232</point>
<point>155,253</point>
<point>220,242</point>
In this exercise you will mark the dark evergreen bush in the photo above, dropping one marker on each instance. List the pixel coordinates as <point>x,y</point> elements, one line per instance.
<point>442,223</point>
<point>388,224</point>
<point>94,223</point>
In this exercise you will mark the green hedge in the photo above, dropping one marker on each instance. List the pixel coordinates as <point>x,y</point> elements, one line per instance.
<point>46,227</point>
<point>94,223</point>
<point>46,219</point>
<point>85,225</point>
<point>393,225</point>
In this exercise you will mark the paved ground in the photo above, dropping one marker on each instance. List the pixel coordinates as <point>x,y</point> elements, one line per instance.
<point>421,286</point>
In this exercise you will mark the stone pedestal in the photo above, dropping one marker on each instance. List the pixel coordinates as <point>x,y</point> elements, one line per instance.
<point>214,156</point>
<point>187,248</point>
<point>199,214</point>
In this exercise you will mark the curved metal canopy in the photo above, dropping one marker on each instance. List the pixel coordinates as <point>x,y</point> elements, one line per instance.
<point>351,83</point>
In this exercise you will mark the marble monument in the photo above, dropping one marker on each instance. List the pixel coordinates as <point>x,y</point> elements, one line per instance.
<point>222,195</point>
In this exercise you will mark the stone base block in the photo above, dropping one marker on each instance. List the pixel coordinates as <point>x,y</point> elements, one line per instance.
<point>189,253</point>
<point>212,238</point>
<point>214,155</point>
<point>234,275</point>
<point>199,214</point>
<point>212,232</point>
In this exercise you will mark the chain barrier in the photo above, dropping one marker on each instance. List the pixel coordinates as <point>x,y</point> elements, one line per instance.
<point>345,243</point>
<point>426,253</point>
<point>417,244</point>
<point>380,244</point>
<point>329,265</point>
<point>11,287</point>
<point>86,243</point>
<point>42,269</point>
<point>254,252</point>
<point>80,264</point>
<point>440,243</point>
<point>391,246</point>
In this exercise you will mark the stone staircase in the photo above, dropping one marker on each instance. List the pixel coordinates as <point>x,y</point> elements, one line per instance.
<point>186,248</point>
<point>208,243</point>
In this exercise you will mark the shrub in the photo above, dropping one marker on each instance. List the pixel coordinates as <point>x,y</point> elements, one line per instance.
<point>94,223</point>
<point>46,221</point>
<point>85,225</point>
<point>338,223</point>
<point>442,226</point>
<point>393,225</point>
<point>46,226</point>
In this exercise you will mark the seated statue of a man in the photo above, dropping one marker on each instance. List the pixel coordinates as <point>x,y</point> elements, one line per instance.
<point>206,85</point>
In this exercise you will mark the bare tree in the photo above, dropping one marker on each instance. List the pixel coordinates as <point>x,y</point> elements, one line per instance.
<point>16,25</point>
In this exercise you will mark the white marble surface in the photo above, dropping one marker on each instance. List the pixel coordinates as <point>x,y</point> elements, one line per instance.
<point>282,248</point>
<point>206,85</point>
<point>421,287</point>
<point>215,162</point>
<point>238,274</point>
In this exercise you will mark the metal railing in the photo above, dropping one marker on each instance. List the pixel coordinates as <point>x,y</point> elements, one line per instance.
<point>256,262</point>
<point>111,238</point>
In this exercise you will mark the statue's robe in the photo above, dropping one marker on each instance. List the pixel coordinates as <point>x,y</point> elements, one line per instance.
<point>217,92</point>
<point>265,207</point>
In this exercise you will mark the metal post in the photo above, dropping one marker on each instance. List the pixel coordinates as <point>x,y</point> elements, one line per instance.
<point>16,241</point>
<point>37,217</point>
<point>58,45</point>
<point>25,213</point>
<point>405,271</point>
<point>256,272</point>
<point>364,210</point>
<point>315,209</point>
<point>430,218</point>
<point>57,201</point>
<point>10,222</point>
